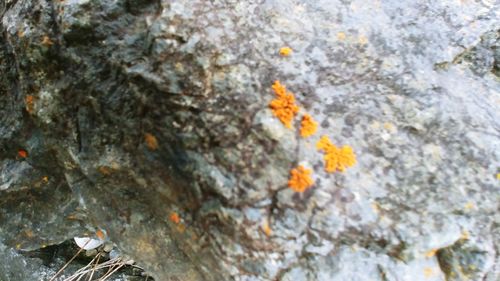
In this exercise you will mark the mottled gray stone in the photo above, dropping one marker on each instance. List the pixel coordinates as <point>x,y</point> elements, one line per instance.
<point>412,86</point>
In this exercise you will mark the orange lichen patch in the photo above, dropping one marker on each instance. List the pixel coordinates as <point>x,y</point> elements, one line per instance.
<point>100,234</point>
<point>300,179</point>
<point>151,141</point>
<point>174,217</point>
<point>45,179</point>
<point>431,253</point>
<point>336,159</point>
<point>266,228</point>
<point>46,41</point>
<point>278,89</point>
<point>22,153</point>
<point>283,106</point>
<point>29,103</point>
<point>308,126</point>
<point>285,51</point>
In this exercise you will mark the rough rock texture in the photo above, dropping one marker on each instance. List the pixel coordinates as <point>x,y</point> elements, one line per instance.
<point>133,110</point>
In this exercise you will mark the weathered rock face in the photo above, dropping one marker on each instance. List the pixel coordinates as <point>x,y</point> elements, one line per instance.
<point>131,111</point>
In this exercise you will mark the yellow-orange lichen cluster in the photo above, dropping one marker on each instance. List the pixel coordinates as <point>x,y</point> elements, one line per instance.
<point>22,153</point>
<point>308,126</point>
<point>151,141</point>
<point>285,109</point>
<point>283,106</point>
<point>285,51</point>
<point>174,217</point>
<point>300,179</point>
<point>266,228</point>
<point>336,159</point>
<point>100,234</point>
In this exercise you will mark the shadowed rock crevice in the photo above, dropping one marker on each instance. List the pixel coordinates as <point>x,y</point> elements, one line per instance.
<point>150,120</point>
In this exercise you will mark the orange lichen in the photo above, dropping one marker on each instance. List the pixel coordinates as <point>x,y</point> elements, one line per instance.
<point>266,228</point>
<point>174,217</point>
<point>300,179</point>
<point>45,179</point>
<point>100,234</point>
<point>22,153</point>
<point>29,103</point>
<point>336,159</point>
<point>151,141</point>
<point>308,126</point>
<point>283,106</point>
<point>285,51</point>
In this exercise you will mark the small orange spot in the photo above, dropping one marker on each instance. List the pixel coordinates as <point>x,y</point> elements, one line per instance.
<point>151,141</point>
<point>266,228</point>
<point>431,253</point>
<point>283,106</point>
<point>336,158</point>
<point>308,126</point>
<point>100,234</point>
<point>29,103</point>
<point>46,41</point>
<point>174,217</point>
<point>300,179</point>
<point>285,51</point>
<point>45,179</point>
<point>22,153</point>
<point>341,36</point>
<point>498,176</point>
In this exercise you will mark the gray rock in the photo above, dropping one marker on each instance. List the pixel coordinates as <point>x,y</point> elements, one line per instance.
<point>136,111</point>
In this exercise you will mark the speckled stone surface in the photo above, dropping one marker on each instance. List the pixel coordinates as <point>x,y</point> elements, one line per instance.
<point>136,110</point>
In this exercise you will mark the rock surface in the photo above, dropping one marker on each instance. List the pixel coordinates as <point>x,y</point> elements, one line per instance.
<point>150,120</point>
